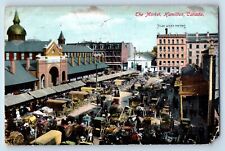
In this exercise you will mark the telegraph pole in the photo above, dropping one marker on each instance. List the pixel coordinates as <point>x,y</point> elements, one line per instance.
<point>134,57</point>
<point>210,100</point>
<point>96,71</point>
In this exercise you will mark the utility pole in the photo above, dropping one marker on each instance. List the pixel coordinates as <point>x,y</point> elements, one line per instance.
<point>96,72</point>
<point>210,100</point>
<point>134,58</point>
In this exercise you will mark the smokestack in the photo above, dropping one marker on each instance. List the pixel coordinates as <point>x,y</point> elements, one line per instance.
<point>12,66</point>
<point>166,30</point>
<point>27,63</point>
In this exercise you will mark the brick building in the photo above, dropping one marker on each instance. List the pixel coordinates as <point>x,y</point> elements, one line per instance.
<point>171,52</point>
<point>174,51</point>
<point>116,53</point>
<point>35,64</point>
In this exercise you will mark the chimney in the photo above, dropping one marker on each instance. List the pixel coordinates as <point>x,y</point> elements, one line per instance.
<point>166,30</point>
<point>78,59</point>
<point>27,63</point>
<point>72,61</point>
<point>102,58</point>
<point>196,35</point>
<point>12,66</point>
<point>84,58</point>
<point>90,58</point>
<point>207,34</point>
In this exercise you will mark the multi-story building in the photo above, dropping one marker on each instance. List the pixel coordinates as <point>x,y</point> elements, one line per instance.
<point>35,64</point>
<point>171,52</point>
<point>196,43</point>
<point>116,53</point>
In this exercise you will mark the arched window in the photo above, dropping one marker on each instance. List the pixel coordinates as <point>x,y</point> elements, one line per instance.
<point>42,81</point>
<point>54,74</point>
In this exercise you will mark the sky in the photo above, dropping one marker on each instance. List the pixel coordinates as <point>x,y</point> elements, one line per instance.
<point>136,24</point>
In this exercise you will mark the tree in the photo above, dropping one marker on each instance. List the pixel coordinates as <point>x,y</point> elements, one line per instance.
<point>154,51</point>
<point>154,55</point>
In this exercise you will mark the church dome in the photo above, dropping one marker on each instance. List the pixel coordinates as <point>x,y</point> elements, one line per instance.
<point>16,31</point>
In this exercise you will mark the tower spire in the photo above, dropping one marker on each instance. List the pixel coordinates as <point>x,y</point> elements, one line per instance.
<point>16,19</point>
<point>61,39</point>
<point>16,31</point>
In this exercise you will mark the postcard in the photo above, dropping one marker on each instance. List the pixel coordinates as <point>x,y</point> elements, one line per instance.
<point>111,75</point>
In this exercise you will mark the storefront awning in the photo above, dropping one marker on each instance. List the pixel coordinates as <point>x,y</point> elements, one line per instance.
<point>76,84</point>
<point>112,76</point>
<point>11,100</point>
<point>62,87</point>
<point>42,92</point>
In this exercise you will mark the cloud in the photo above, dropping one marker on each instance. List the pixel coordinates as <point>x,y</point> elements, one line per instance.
<point>90,20</point>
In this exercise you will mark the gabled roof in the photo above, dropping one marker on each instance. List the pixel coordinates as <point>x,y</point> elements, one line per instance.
<point>25,46</point>
<point>76,48</point>
<point>142,56</point>
<point>20,76</point>
<point>85,67</point>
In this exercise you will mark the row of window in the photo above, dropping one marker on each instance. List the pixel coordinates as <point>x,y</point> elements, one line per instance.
<point>171,48</point>
<point>171,62</point>
<point>20,56</point>
<point>190,61</point>
<point>113,54</point>
<point>171,41</point>
<point>171,55</point>
<point>197,46</point>
<point>164,68</point>
<point>113,59</point>
<point>23,56</point>
<point>105,46</point>
<point>190,53</point>
<point>81,54</point>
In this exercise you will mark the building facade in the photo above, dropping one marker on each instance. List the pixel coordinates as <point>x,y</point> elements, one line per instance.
<point>141,62</point>
<point>35,64</point>
<point>171,52</point>
<point>196,43</point>
<point>115,53</point>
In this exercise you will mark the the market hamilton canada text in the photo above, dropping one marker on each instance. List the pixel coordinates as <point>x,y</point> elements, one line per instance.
<point>110,93</point>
